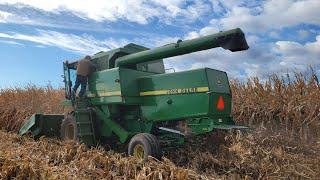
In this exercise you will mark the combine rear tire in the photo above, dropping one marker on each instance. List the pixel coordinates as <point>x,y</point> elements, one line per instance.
<point>143,145</point>
<point>69,130</point>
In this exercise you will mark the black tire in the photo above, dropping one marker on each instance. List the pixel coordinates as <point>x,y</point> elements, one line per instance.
<point>147,142</point>
<point>69,130</point>
<point>156,151</point>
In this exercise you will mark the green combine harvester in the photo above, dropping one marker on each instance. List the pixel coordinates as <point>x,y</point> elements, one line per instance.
<point>130,99</point>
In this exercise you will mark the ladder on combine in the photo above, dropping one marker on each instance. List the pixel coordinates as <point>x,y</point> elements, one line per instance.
<point>85,126</point>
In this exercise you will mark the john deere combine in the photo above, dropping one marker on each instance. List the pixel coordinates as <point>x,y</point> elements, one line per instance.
<point>131,99</point>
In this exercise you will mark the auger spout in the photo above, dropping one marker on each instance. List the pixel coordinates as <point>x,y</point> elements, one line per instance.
<point>233,40</point>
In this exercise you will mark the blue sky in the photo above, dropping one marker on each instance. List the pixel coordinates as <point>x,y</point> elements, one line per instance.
<point>36,36</point>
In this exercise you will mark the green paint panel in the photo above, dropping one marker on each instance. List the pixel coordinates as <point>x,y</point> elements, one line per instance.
<point>156,108</point>
<point>186,79</point>
<point>104,81</point>
<point>40,124</point>
<point>109,126</point>
<point>218,81</point>
<point>117,85</point>
<point>106,100</point>
<point>129,81</point>
<point>162,106</point>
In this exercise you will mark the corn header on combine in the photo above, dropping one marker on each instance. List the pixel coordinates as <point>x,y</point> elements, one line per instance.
<point>132,100</point>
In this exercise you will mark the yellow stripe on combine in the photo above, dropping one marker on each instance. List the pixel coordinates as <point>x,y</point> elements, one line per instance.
<point>203,89</point>
<point>110,93</point>
<point>175,91</point>
<point>151,93</point>
<point>105,94</point>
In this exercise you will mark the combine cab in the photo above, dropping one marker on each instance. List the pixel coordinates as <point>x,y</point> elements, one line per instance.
<point>131,99</point>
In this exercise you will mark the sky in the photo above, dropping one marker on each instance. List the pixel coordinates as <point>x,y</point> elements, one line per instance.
<point>36,36</point>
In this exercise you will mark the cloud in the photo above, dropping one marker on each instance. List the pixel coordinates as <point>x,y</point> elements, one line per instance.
<point>138,11</point>
<point>4,16</point>
<point>64,21</point>
<point>209,29</point>
<point>11,43</point>
<point>296,54</point>
<point>84,44</point>
<point>270,15</point>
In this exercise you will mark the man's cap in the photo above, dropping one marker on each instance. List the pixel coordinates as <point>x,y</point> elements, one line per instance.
<point>88,57</point>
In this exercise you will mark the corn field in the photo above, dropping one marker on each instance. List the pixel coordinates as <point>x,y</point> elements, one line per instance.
<point>18,104</point>
<point>284,113</point>
<point>280,104</point>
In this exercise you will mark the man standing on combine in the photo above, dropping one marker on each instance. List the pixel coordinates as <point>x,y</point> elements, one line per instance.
<point>84,68</point>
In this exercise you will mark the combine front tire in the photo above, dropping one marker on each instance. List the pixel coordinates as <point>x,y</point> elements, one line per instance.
<point>69,130</point>
<point>143,145</point>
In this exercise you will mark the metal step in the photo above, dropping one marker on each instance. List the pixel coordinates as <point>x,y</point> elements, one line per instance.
<point>86,132</point>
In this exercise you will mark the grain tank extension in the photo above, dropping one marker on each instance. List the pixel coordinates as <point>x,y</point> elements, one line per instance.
<point>130,99</point>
